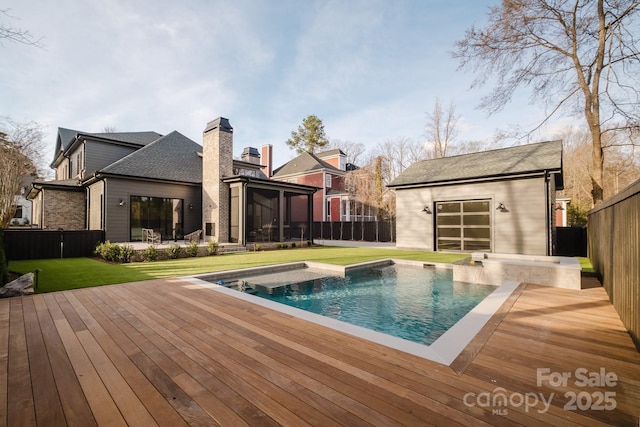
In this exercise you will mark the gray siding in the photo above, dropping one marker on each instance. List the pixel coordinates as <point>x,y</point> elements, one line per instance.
<point>521,230</point>
<point>101,154</point>
<point>117,217</point>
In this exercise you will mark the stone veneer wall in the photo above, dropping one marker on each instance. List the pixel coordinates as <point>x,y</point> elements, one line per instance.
<point>63,209</point>
<point>217,163</point>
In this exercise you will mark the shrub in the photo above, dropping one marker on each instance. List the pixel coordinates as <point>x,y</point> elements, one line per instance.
<point>174,250</point>
<point>256,247</point>
<point>126,253</point>
<point>293,245</point>
<point>150,254</point>
<point>212,248</point>
<point>192,249</point>
<point>108,251</point>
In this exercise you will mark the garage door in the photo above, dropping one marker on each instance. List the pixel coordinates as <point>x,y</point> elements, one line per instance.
<point>463,225</point>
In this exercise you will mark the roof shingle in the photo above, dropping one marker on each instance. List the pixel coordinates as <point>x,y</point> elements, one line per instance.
<point>173,157</point>
<point>494,163</point>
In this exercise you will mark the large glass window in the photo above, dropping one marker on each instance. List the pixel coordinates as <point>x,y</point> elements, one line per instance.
<point>463,226</point>
<point>164,216</point>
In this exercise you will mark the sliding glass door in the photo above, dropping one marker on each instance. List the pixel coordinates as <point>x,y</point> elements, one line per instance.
<point>164,216</point>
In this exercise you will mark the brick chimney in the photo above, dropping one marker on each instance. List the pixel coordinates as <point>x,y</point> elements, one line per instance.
<point>267,159</point>
<point>217,163</point>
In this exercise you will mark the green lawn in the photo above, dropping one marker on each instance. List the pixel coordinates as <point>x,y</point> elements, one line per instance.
<point>73,273</point>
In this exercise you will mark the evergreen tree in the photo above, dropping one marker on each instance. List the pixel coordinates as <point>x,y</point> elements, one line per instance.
<point>310,135</point>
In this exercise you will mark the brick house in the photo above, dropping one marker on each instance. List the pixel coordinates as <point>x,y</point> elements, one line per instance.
<point>327,171</point>
<point>124,182</point>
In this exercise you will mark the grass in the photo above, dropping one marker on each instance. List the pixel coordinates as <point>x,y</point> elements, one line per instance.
<point>585,263</point>
<point>73,273</point>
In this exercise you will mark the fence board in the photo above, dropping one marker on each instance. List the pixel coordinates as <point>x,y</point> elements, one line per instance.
<point>42,244</point>
<point>370,231</point>
<point>614,250</point>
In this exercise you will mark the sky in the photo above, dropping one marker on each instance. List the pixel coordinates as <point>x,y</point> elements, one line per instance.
<point>370,69</point>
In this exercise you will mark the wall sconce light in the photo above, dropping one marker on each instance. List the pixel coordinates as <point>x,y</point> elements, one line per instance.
<point>559,208</point>
<point>502,208</point>
<point>426,210</point>
<point>122,202</point>
<point>190,206</point>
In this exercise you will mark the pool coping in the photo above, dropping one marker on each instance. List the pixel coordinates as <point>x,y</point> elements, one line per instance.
<point>444,350</point>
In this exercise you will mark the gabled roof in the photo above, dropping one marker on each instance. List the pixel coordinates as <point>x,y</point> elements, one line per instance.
<point>305,162</point>
<point>137,138</point>
<point>520,160</point>
<point>173,157</point>
<point>329,153</point>
<point>66,138</point>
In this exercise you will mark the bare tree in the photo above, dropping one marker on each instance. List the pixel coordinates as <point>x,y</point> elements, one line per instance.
<point>18,35</point>
<point>354,150</point>
<point>441,128</point>
<point>19,147</point>
<point>397,155</point>
<point>575,55</point>
<point>109,129</point>
<point>621,167</point>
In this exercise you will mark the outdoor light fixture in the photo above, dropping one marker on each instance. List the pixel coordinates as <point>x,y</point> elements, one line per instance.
<point>502,208</point>
<point>121,202</point>
<point>426,210</point>
<point>190,205</point>
<point>559,208</point>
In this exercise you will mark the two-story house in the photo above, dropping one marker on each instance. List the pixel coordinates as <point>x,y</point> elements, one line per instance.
<point>124,182</point>
<point>328,171</point>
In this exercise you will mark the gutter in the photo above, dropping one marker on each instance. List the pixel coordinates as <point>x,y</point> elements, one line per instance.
<point>469,180</point>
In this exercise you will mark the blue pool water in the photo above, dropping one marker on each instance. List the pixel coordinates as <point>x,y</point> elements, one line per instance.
<point>417,304</point>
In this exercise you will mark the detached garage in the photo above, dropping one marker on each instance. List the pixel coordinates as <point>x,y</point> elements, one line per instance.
<point>495,201</point>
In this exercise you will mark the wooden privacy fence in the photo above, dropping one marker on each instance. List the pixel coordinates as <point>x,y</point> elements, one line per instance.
<point>42,244</point>
<point>614,250</point>
<point>369,231</point>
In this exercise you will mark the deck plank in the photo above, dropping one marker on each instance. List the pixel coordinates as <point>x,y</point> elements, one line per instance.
<point>168,353</point>
<point>48,405</point>
<point>5,306</point>
<point>21,409</point>
<point>74,403</point>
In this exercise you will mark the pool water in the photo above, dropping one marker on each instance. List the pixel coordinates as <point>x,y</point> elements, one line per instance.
<point>413,303</point>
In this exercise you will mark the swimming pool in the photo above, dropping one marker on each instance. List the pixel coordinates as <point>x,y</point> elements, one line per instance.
<point>444,349</point>
<point>408,302</point>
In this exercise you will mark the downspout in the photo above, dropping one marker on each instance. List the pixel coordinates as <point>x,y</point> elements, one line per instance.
<point>547,215</point>
<point>242,233</point>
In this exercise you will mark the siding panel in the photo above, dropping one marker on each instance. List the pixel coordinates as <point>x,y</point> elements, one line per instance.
<point>522,229</point>
<point>117,217</point>
<point>100,155</point>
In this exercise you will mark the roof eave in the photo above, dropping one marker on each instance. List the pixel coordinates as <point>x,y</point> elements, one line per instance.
<point>488,178</point>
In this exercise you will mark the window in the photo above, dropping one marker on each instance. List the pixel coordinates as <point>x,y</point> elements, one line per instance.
<point>162,215</point>
<point>463,226</point>
<point>18,212</point>
<point>327,181</point>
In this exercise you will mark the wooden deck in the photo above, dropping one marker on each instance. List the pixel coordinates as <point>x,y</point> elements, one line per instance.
<point>165,352</point>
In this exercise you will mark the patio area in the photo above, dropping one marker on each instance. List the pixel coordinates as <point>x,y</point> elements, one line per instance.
<point>166,352</point>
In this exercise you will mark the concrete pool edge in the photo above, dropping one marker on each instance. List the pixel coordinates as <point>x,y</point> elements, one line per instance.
<point>444,350</point>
